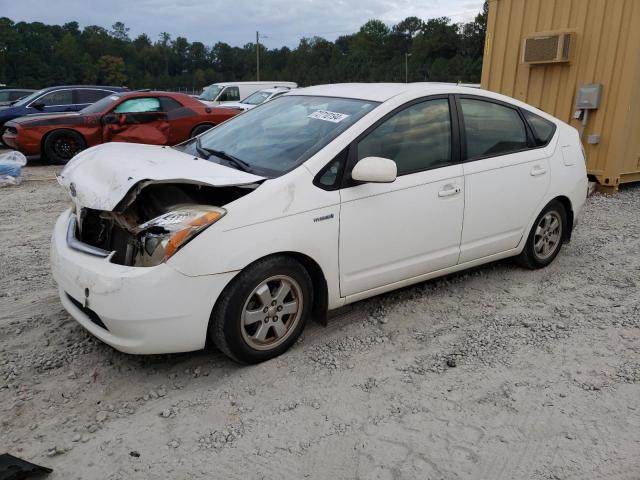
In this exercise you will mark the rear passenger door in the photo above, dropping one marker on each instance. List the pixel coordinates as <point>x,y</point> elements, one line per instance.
<point>506,176</point>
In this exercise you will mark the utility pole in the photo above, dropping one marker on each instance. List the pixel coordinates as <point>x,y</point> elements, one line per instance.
<point>257,56</point>
<point>406,67</point>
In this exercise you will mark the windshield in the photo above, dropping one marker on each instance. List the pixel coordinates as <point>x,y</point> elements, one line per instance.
<point>281,134</point>
<point>210,93</point>
<point>28,98</point>
<point>101,105</point>
<point>256,98</point>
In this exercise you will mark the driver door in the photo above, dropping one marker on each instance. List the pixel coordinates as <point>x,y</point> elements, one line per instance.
<point>137,120</point>
<point>391,232</point>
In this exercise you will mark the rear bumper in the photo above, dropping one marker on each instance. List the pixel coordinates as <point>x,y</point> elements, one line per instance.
<point>142,310</point>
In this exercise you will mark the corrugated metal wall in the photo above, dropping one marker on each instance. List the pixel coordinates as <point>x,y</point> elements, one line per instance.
<point>606,49</point>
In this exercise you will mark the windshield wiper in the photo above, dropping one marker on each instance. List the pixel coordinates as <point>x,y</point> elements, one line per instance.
<point>207,152</point>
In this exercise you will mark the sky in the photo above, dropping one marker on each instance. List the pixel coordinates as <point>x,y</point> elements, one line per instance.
<point>280,22</point>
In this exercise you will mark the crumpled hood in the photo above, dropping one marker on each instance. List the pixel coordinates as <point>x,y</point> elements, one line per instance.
<point>101,176</point>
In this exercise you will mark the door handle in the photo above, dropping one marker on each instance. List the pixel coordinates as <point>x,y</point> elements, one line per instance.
<point>537,170</point>
<point>449,190</point>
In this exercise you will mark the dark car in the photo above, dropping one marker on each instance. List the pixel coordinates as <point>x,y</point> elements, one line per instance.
<point>156,118</point>
<point>65,98</point>
<point>10,95</point>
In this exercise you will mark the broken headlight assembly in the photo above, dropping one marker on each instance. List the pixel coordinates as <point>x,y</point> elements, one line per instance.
<point>161,237</point>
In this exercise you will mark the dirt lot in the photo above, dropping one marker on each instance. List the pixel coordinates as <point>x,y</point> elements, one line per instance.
<point>496,373</point>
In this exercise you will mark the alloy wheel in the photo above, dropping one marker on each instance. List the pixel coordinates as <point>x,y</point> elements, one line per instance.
<point>66,147</point>
<point>271,312</point>
<point>548,235</point>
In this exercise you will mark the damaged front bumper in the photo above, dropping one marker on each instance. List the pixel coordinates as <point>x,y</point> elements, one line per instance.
<point>142,310</point>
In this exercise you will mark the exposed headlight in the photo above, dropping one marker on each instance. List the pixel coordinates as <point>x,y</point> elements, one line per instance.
<point>163,236</point>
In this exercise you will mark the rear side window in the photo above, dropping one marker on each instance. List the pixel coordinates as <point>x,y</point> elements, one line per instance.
<point>492,129</point>
<point>416,138</point>
<point>542,129</point>
<point>86,95</point>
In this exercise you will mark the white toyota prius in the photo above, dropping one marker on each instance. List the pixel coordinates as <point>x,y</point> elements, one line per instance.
<point>320,198</point>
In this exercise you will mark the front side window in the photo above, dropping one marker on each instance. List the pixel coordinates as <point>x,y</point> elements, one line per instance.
<point>281,134</point>
<point>139,105</point>
<point>542,129</point>
<point>416,138</point>
<point>101,105</point>
<point>230,94</point>
<point>492,129</point>
<point>61,97</point>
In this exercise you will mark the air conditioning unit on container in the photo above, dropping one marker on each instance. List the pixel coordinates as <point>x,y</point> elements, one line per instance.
<point>547,48</point>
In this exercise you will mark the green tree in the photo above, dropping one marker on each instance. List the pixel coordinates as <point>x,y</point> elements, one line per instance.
<point>37,55</point>
<point>111,71</point>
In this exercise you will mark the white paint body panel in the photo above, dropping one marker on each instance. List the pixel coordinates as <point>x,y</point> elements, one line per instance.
<point>500,194</point>
<point>366,239</point>
<point>393,231</point>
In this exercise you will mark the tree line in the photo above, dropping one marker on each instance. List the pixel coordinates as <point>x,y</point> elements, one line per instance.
<point>34,55</point>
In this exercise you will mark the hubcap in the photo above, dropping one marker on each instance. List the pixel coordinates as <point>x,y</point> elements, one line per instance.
<point>271,312</point>
<point>547,235</point>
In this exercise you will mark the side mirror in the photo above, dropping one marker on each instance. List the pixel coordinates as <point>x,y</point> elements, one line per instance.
<point>110,119</point>
<point>38,105</point>
<point>375,170</point>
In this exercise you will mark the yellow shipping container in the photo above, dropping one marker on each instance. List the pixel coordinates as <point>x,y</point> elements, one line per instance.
<point>604,48</point>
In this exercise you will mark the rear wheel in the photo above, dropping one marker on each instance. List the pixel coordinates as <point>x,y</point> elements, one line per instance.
<point>60,146</point>
<point>546,237</point>
<point>200,129</point>
<point>263,310</point>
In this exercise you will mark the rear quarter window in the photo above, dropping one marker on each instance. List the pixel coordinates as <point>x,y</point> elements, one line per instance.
<point>542,129</point>
<point>86,95</point>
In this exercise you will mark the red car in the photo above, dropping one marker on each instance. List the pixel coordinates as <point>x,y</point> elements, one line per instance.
<point>158,118</point>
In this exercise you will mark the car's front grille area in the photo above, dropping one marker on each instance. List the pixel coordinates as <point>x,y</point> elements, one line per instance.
<point>93,316</point>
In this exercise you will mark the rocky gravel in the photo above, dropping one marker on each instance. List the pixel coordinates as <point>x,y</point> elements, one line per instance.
<point>497,373</point>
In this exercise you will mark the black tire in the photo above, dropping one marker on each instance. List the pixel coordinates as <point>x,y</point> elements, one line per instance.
<point>227,327</point>
<point>533,256</point>
<point>201,129</point>
<point>60,146</point>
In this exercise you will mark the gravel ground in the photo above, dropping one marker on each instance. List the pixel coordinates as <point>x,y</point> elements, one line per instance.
<point>495,373</point>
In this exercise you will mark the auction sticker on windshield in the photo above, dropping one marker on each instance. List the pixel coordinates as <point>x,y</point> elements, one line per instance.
<point>327,116</point>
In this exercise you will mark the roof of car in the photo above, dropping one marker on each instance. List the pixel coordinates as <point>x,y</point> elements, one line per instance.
<point>379,92</point>
<point>275,89</point>
<point>109,87</point>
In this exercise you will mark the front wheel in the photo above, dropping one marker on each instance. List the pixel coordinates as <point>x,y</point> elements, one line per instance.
<point>263,311</point>
<point>546,237</point>
<point>60,146</point>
